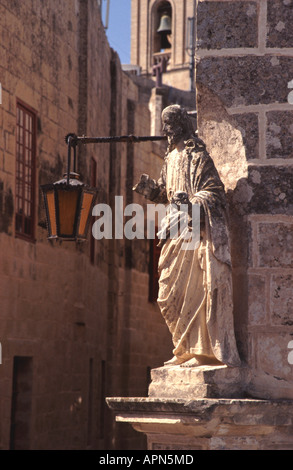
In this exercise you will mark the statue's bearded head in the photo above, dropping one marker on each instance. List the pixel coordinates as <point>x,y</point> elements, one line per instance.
<point>176,123</point>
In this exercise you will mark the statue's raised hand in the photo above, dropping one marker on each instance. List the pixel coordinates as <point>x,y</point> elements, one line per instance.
<point>146,186</point>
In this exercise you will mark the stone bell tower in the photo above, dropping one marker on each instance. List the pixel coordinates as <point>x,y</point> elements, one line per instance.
<point>163,41</point>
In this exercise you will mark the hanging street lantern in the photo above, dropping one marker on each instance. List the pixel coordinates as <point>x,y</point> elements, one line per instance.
<point>69,202</point>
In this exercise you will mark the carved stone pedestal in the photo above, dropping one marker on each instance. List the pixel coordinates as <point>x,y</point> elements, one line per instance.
<point>197,382</point>
<point>209,424</point>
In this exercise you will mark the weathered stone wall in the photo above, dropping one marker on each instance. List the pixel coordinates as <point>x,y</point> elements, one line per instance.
<point>85,324</point>
<point>244,74</point>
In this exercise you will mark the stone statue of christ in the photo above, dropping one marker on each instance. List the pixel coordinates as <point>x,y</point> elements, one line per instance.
<point>195,286</point>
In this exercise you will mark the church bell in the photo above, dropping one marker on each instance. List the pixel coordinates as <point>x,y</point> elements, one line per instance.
<point>165,24</point>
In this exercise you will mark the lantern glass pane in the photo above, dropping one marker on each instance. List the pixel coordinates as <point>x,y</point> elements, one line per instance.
<point>85,212</point>
<point>51,213</point>
<point>68,201</point>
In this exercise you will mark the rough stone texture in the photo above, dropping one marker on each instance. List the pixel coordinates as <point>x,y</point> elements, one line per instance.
<point>227,25</point>
<point>275,245</point>
<point>272,357</point>
<point>248,126</point>
<point>280,17</point>
<point>266,190</point>
<point>223,137</point>
<point>245,117</point>
<point>279,134</point>
<point>257,295</point>
<point>197,382</point>
<point>282,299</point>
<point>228,78</point>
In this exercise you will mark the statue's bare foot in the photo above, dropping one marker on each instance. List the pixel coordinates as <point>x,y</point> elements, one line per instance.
<point>201,361</point>
<point>175,361</point>
<point>193,362</point>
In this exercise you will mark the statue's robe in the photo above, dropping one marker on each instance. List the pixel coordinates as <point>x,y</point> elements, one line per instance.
<point>195,286</point>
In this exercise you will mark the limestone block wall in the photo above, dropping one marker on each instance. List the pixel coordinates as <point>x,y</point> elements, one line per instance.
<point>74,320</point>
<point>52,302</point>
<point>244,78</point>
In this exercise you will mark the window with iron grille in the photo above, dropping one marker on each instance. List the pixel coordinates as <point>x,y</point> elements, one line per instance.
<point>25,172</point>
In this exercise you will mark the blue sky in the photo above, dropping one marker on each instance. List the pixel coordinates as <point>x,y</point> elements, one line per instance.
<point>118,31</point>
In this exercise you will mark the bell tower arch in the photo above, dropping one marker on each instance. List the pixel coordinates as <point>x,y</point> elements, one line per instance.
<point>162,26</point>
<point>160,40</point>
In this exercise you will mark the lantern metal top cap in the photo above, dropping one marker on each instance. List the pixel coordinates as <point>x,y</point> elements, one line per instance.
<point>73,179</point>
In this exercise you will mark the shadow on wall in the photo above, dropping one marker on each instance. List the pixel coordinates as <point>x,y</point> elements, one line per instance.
<point>224,141</point>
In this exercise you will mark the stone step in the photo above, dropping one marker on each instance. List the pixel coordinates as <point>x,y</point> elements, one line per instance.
<point>197,382</point>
